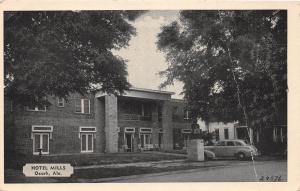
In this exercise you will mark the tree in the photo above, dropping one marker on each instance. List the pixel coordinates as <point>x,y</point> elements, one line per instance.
<point>62,52</point>
<point>233,64</point>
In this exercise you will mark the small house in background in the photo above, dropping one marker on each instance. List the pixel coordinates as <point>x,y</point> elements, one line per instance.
<point>268,139</point>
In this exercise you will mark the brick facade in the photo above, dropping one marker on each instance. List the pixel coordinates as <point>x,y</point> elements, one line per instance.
<point>110,118</point>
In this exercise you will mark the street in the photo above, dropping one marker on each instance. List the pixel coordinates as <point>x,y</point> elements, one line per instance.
<point>241,172</point>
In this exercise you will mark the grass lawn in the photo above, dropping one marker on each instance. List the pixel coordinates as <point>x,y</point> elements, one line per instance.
<point>87,175</point>
<point>177,151</point>
<point>91,159</point>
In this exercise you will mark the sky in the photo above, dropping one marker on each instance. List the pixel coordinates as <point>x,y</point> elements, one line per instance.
<point>144,59</point>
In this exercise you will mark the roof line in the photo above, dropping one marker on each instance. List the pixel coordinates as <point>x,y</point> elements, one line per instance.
<point>151,90</point>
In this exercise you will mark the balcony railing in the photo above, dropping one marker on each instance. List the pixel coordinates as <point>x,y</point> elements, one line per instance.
<point>134,117</point>
<point>180,118</point>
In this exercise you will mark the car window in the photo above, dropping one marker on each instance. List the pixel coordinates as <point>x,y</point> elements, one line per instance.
<point>238,143</point>
<point>221,143</point>
<point>230,143</point>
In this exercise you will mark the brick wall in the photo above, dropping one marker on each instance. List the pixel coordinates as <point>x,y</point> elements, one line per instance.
<point>103,116</point>
<point>65,122</point>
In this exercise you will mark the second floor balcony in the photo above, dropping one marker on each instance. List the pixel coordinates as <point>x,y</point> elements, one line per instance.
<point>134,117</point>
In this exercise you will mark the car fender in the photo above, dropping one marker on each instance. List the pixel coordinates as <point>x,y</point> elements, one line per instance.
<point>209,154</point>
<point>245,151</point>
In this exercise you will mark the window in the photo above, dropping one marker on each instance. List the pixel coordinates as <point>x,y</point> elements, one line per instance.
<point>42,128</point>
<point>36,108</point>
<point>221,143</point>
<point>87,135</point>
<point>146,112</point>
<point>186,114</point>
<point>60,102</point>
<point>82,106</point>
<point>129,130</point>
<point>226,134</point>
<point>145,130</point>
<point>41,142</point>
<point>145,140</point>
<point>145,137</point>
<point>159,112</point>
<point>41,135</point>
<point>230,143</point>
<point>87,129</point>
<point>87,142</point>
<point>238,143</point>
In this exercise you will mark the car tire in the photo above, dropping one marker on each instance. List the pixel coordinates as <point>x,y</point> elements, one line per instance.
<point>241,156</point>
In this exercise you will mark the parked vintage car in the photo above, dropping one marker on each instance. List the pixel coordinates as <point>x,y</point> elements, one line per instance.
<point>236,148</point>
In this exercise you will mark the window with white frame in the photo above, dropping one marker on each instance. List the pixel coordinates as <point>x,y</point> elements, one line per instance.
<point>60,102</point>
<point>87,135</point>
<point>82,106</point>
<point>146,138</point>
<point>41,135</point>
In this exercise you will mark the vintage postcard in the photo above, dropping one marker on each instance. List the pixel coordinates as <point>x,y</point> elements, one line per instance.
<point>185,95</point>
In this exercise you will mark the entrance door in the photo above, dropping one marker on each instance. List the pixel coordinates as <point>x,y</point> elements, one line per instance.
<point>41,141</point>
<point>186,138</point>
<point>87,142</point>
<point>145,141</point>
<point>129,141</point>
